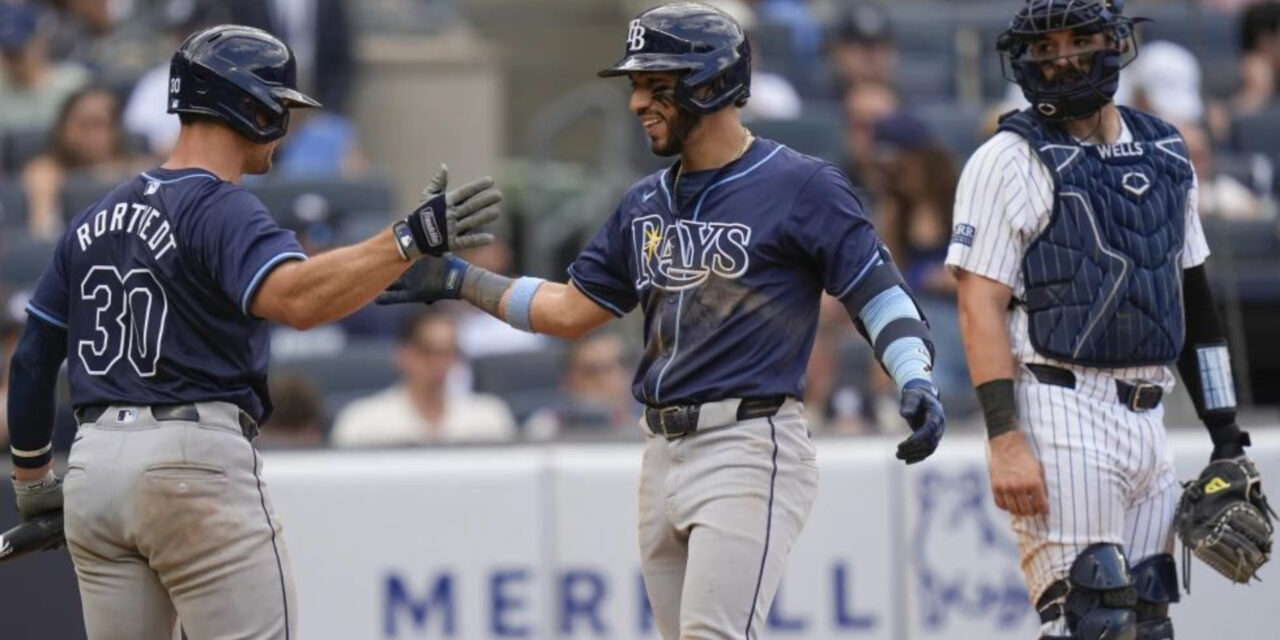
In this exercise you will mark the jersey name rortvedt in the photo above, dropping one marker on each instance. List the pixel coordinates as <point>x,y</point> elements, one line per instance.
<point>131,218</point>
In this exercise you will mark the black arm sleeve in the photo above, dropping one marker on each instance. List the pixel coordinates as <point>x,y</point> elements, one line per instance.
<point>33,378</point>
<point>1204,329</point>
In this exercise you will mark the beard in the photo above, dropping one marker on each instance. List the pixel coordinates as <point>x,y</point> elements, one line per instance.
<point>677,131</point>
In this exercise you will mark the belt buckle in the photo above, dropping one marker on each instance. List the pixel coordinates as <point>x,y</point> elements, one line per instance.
<point>1139,390</point>
<point>672,411</point>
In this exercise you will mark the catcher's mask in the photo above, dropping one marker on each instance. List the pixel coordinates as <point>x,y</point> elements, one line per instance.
<point>1080,88</point>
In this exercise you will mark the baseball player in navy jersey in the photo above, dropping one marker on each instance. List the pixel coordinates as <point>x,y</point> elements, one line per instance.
<point>727,252</point>
<point>158,298</point>
<point>1079,255</point>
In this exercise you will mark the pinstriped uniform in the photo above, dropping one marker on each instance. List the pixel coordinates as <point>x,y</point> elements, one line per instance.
<point>1108,470</point>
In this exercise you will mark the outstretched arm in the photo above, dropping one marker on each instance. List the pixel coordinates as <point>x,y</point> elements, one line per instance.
<point>332,285</point>
<point>529,304</point>
<point>886,315</point>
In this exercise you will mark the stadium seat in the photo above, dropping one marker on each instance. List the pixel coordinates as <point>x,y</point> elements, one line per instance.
<point>81,192</point>
<point>312,200</point>
<point>1257,132</point>
<point>23,258</point>
<point>1243,239</point>
<point>525,380</point>
<point>20,146</point>
<point>13,205</point>
<point>956,126</point>
<point>816,135</point>
<point>361,366</point>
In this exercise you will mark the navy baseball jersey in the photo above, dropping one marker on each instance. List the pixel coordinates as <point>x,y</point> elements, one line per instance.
<point>730,278</point>
<point>153,285</point>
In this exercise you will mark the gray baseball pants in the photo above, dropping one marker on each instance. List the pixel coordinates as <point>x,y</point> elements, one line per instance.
<point>170,521</point>
<point>719,511</point>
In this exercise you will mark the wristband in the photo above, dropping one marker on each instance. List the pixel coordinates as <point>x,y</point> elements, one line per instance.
<point>520,303</point>
<point>998,407</point>
<point>404,241</point>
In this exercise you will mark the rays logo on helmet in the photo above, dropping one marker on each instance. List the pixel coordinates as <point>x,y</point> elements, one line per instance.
<point>684,255</point>
<point>635,36</point>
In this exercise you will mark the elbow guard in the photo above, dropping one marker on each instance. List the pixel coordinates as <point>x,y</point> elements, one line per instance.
<point>887,316</point>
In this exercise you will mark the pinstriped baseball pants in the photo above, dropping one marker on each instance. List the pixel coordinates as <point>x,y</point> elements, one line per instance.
<point>719,511</point>
<point>1109,475</point>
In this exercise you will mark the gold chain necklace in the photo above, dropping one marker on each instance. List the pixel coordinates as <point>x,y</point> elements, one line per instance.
<point>747,137</point>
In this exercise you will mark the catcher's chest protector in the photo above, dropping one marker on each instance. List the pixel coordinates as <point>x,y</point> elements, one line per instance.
<point>1103,283</point>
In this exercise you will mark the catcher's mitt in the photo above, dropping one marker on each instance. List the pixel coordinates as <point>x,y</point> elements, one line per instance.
<point>1224,519</point>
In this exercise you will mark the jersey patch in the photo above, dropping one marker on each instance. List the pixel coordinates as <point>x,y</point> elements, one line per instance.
<point>683,255</point>
<point>963,234</point>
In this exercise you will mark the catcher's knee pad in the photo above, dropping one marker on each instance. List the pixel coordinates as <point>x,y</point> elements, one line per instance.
<point>1097,598</point>
<point>1156,583</point>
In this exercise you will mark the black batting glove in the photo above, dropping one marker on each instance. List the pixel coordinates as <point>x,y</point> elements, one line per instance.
<point>923,411</point>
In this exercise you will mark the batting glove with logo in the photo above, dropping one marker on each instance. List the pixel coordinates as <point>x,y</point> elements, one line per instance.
<point>447,221</point>
<point>35,497</point>
<point>428,280</point>
<point>923,411</point>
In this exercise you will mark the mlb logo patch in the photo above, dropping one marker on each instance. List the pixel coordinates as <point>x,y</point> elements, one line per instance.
<point>152,188</point>
<point>126,415</point>
<point>963,234</point>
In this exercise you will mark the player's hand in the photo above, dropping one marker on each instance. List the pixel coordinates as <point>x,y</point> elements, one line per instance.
<point>1017,479</point>
<point>448,221</point>
<point>428,280</point>
<point>923,411</point>
<point>35,497</point>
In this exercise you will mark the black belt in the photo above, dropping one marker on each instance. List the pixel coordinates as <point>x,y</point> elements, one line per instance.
<point>676,421</point>
<point>1142,396</point>
<point>185,412</point>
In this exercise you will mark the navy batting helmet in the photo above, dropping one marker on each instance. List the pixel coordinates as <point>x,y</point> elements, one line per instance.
<point>1097,73</point>
<point>242,76</point>
<point>700,40</point>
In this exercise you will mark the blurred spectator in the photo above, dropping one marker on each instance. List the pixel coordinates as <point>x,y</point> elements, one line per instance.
<point>1164,80</point>
<point>32,87</point>
<point>797,18</point>
<point>112,37</point>
<point>830,403</point>
<point>298,419</point>
<point>772,96</point>
<point>913,215</point>
<point>146,111</point>
<point>419,409</point>
<point>320,34</point>
<point>10,329</point>
<point>1260,57</point>
<point>321,144</point>
<point>861,47</point>
<point>914,198</point>
<point>86,141</point>
<point>480,334</point>
<point>1220,194</point>
<point>864,105</point>
<point>597,393</point>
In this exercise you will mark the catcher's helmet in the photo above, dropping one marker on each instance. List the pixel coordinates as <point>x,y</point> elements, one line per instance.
<point>243,76</point>
<point>701,40</point>
<point>1083,95</point>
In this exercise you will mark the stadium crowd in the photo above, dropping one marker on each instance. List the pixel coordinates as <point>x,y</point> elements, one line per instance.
<point>896,93</point>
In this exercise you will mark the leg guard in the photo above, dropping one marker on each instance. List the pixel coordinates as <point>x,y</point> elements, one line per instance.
<point>1156,582</point>
<point>1097,598</point>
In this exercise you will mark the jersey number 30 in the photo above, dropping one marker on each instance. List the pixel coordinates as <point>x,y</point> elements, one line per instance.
<point>131,310</point>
